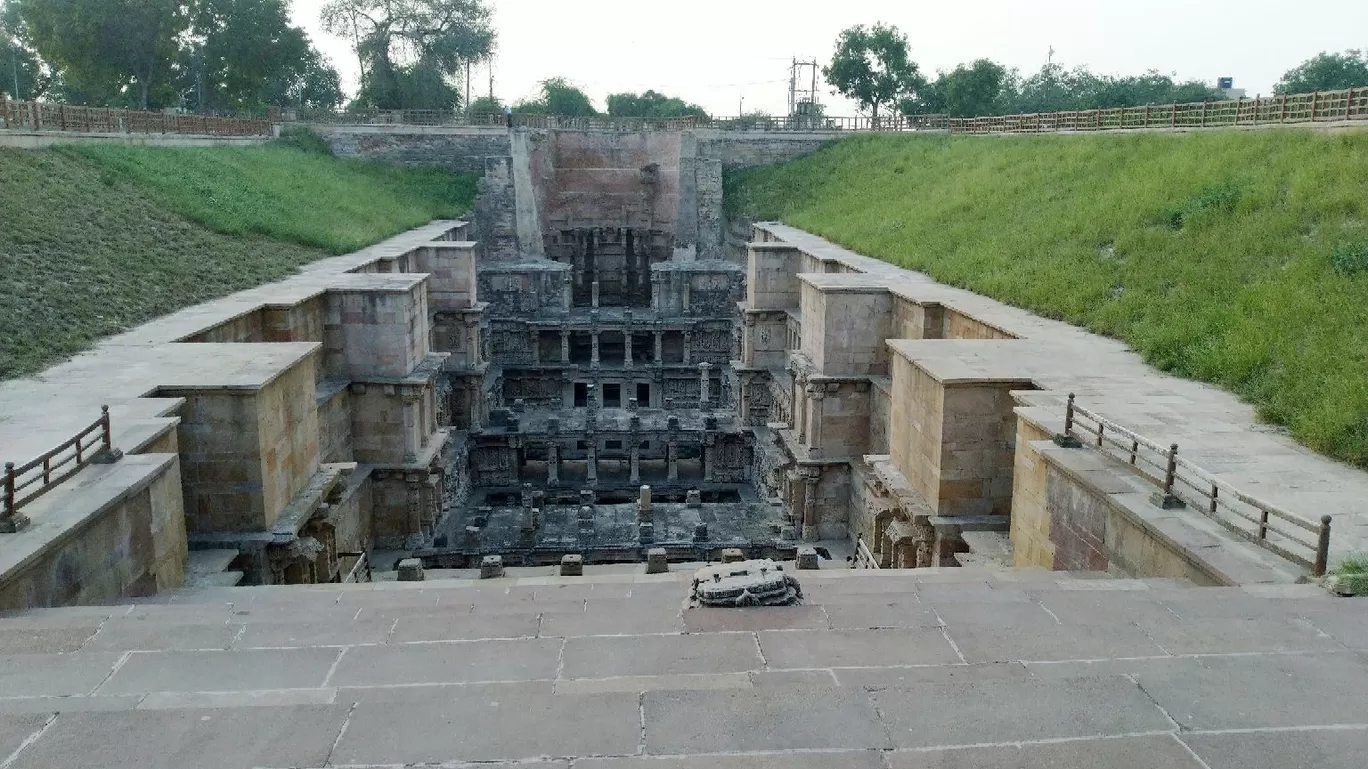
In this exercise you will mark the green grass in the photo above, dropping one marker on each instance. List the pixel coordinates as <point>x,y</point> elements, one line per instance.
<point>96,240</point>
<point>1231,257</point>
<point>287,194</point>
<point>1353,572</point>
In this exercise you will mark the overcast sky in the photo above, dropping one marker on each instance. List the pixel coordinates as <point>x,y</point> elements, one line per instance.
<point>718,52</point>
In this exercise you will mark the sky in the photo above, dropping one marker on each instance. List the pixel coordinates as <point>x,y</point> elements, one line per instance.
<point>728,55</point>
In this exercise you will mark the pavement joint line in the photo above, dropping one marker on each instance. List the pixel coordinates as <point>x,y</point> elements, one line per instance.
<point>560,660</point>
<point>123,658</point>
<point>1178,727</point>
<point>29,740</point>
<point>389,634</point>
<point>241,631</point>
<point>340,733</point>
<point>1053,616</point>
<point>946,632</point>
<point>1201,762</point>
<point>1151,638</point>
<point>641,710</point>
<point>764,663</point>
<point>333,668</point>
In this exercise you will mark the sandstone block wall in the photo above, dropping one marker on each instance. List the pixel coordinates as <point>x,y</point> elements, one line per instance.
<point>455,149</point>
<point>375,333</point>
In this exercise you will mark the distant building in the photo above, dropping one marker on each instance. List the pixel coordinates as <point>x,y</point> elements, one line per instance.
<point>1226,85</point>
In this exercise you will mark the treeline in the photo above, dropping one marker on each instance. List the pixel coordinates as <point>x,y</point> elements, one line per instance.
<point>873,67</point>
<point>204,55</point>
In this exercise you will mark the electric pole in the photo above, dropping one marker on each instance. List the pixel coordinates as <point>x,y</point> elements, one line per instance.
<point>467,101</point>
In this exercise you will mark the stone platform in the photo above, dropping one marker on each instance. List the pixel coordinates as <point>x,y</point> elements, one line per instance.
<point>966,668</point>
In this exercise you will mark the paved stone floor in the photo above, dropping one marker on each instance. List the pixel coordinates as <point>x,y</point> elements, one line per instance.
<point>955,669</point>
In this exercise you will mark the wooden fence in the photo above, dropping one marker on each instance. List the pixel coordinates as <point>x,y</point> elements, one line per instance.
<point>1287,109</point>
<point>48,116</point>
<point>1183,484</point>
<point>25,483</point>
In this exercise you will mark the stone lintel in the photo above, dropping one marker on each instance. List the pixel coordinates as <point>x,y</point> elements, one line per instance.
<point>971,361</point>
<point>376,282</point>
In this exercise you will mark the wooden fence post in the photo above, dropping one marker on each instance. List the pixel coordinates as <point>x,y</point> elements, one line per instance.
<point>4,111</point>
<point>1322,548</point>
<point>1173,118</point>
<point>1348,102</point>
<point>1204,113</point>
<point>1315,101</point>
<point>1282,118</point>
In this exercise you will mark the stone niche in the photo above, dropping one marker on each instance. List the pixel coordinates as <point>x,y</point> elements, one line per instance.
<point>952,426</point>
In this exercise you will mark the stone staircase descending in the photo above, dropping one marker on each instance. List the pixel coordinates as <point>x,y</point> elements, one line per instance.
<point>210,568</point>
<point>958,668</point>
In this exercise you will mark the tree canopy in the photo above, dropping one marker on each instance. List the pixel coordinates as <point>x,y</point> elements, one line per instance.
<point>873,67</point>
<point>652,105</point>
<point>1326,72</point>
<point>23,74</point>
<point>558,96</point>
<point>411,51</point>
<point>987,88</point>
<point>202,54</point>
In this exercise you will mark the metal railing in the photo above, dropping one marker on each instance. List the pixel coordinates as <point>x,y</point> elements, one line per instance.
<point>22,484</point>
<point>1285,109</point>
<point>1183,484</point>
<point>49,116</point>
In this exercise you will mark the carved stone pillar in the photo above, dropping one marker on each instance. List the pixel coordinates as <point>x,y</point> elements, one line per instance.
<point>635,463</point>
<point>672,461</point>
<point>627,348</point>
<point>594,353</point>
<point>594,294</point>
<point>800,410</point>
<point>475,401</point>
<point>684,294</point>
<point>688,337</point>
<point>472,333</point>
<point>811,533</point>
<point>536,346</point>
<point>659,347</point>
<point>705,386</point>
<point>655,291</point>
<point>591,467</point>
<point>553,465</point>
<point>565,346</point>
<point>748,342</point>
<point>709,458</point>
<point>568,297</point>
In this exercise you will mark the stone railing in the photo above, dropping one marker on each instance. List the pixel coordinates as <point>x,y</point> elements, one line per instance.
<point>48,116</point>
<point>22,484</point>
<point>864,558</point>
<point>1182,484</point>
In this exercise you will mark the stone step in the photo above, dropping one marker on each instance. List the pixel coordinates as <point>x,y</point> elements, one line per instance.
<point>209,561</point>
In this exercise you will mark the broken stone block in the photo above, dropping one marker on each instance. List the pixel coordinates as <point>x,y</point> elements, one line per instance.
<point>807,559</point>
<point>701,532</point>
<point>693,498</point>
<point>733,555</point>
<point>572,565</point>
<point>491,567</point>
<point>411,570</point>
<point>646,532</point>
<point>746,583</point>
<point>657,561</point>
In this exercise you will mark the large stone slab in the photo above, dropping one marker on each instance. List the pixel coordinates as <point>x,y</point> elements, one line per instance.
<point>1016,711</point>
<point>149,635</point>
<point>454,662</point>
<point>278,635</point>
<point>1045,641</point>
<point>845,759</point>
<point>864,615</point>
<point>500,728</point>
<point>464,627</point>
<point>1151,752</point>
<point>792,718</point>
<point>1265,690</point>
<point>1321,749</point>
<point>14,729</point>
<point>660,655</point>
<point>615,617</point>
<point>1225,636</point>
<point>53,675</point>
<point>20,640</point>
<point>705,619</point>
<point>857,648</point>
<point>222,671</point>
<point>236,738</point>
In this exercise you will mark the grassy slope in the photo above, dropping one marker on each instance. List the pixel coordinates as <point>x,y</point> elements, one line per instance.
<point>1209,253</point>
<point>98,239</point>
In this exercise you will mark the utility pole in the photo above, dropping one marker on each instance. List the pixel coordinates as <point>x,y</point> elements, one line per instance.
<point>467,101</point>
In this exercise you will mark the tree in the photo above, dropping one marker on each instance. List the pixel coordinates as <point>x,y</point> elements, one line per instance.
<point>312,83</point>
<point>117,51</point>
<point>873,67</point>
<point>484,105</point>
<point>1327,72</point>
<point>242,51</point>
<point>410,51</point>
<point>652,105</point>
<point>968,91</point>
<point>23,74</point>
<point>558,96</point>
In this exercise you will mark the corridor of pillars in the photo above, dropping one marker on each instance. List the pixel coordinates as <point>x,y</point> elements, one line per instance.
<point>610,269</point>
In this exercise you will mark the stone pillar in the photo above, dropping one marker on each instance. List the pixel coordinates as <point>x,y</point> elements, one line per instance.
<point>748,342</point>
<point>553,465</point>
<point>655,291</point>
<point>659,347</point>
<point>636,463</point>
<point>811,533</point>
<point>569,293</point>
<point>705,386</point>
<point>672,461</point>
<point>536,346</point>
<point>816,397</point>
<point>591,467</point>
<point>800,411</point>
<point>684,293</point>
<point>708,458</point>
<point>688,336</point>
<point>473,397</point>
<point>594,354</point>
<point>627,348</point>
<point>594,294</point>
<point>472,330</point>
<point>644,506</point>
<point>565,346</point>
